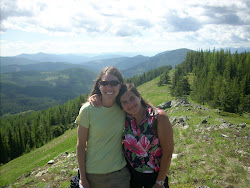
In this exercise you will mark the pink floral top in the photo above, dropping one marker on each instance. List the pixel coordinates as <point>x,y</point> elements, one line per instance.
<point>141,146</point>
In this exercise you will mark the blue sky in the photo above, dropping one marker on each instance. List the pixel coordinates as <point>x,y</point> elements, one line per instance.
<point>145,27</point>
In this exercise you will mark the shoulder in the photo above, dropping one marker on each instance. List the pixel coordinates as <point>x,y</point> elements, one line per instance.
<point>161,114</point>
<point>162,117</point>
<point>86,107</point>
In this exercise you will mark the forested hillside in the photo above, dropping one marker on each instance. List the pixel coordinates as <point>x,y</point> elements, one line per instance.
<point>23,132</point>
<point>217,78</point>
<point>31,90</point>
<point>150,75</point>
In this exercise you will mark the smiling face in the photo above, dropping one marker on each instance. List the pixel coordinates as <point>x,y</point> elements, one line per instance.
<point>109,92</point>
<point>131,103</point>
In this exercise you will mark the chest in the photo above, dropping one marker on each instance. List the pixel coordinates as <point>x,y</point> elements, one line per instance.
<point>105,122</point>
<point>145,131</point>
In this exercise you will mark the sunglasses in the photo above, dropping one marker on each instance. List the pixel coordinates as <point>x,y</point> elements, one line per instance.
<point>111,83</point>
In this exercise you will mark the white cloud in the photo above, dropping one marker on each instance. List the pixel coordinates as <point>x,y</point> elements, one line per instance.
<point>141,25</point>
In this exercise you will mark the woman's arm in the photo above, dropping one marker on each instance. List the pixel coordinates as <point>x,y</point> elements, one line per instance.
<point>82,135</point>
<point>165,135</point>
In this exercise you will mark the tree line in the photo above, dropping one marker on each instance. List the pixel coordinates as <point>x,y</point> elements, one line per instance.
<point>28,130</point>
<point>218,78</point>
<point>150,75</point>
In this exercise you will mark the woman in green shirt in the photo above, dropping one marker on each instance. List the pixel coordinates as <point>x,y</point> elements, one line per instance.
<point>99,143</point>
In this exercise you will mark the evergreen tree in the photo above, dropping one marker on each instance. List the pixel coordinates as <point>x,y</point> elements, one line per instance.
<point>3,149</point>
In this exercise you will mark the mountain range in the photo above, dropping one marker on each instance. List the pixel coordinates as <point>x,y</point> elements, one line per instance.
<point>37,81</point>
<point>129,66</point>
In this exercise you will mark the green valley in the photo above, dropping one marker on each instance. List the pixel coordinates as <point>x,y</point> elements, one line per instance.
<point>32,90</point>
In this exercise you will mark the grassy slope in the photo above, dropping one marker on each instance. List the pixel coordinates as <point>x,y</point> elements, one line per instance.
<point>205,156</point>
<point>39,157</point>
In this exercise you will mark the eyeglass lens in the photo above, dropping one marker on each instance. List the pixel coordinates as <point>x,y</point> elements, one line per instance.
<point>111,83</point>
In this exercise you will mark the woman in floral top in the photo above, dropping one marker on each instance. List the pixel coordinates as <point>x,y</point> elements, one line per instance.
<point>147,140</point>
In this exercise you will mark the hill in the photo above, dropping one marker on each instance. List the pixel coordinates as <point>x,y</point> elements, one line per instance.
<point>31,90</point>
<point>211,149</point>
<point>172,58</point>
<point>122,63</point>
<point>5,61</point>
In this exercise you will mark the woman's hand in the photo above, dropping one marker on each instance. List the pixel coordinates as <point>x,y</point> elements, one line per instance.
<point>95,100</point>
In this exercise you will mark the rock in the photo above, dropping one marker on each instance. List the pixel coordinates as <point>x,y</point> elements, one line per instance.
<point>164,105</point>
<point>174,156</point>
<point>184,118</point>
<point>185,126</point>
<point>181,120</point>
<point>220,119</point>
<point>241,152</point>
<point>206,137</point>
<point>225,125</point>
<point>179,102</point>
<point>223,135</point>
<point>174,120</point>
<point>39,174</point>
<point>51,162</point>
<point>204,121</point>
<point>242,125</point>
<point>27,175</point>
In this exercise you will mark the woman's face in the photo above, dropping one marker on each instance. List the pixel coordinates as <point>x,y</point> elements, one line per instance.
<point>131,103</point>
<point>109,86</point>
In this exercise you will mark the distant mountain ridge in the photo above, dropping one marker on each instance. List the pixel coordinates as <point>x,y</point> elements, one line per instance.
<point>70,58</point>
<point>172,58</point>
<point>121,63</point>
<point>129,66</point>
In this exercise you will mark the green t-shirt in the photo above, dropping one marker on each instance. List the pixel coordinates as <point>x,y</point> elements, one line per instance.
<point>104,144</point>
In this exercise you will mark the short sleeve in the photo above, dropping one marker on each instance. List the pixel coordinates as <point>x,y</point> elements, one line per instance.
<point>83,116</point>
